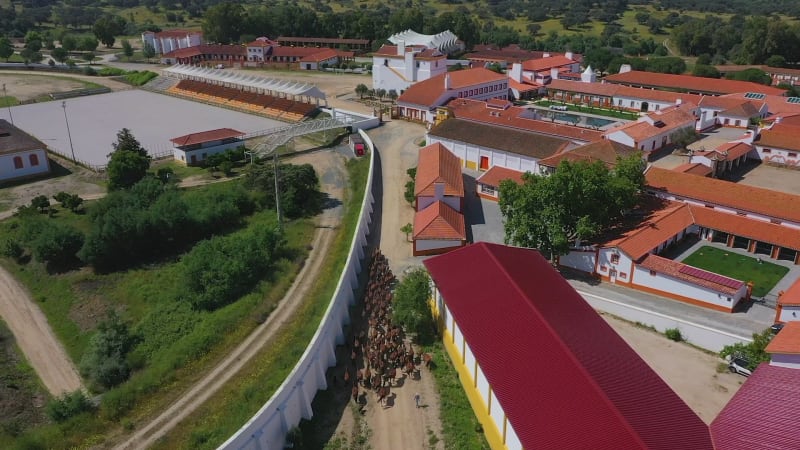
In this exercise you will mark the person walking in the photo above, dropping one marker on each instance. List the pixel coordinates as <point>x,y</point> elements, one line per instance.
<point>417,399</point>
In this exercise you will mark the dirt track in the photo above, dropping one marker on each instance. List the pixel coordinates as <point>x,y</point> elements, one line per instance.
<point>333,179</point>
<point>35,338</point>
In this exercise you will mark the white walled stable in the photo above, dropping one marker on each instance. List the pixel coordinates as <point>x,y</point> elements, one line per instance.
<point>292,401</point>
<point>21,164</point>
<point>666,283</point>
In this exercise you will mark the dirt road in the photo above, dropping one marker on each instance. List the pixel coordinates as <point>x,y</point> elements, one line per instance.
<point>26,85</point>
<point>690,372</point>
<point>35,338</point>
<point>333,178</point>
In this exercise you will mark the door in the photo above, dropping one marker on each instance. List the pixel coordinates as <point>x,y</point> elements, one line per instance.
<point>612,275</point>
<point>484,163</point>
<point>193,159</point>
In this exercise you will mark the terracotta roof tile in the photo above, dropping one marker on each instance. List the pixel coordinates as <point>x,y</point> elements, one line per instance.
<point>787,341</point>
<point>523,87</point>
<point>758,230</point>
<point>427,92</point>
<point>439,222</point>
<point>437,164</point>
<point>553,364</point>
<point>299,52</point>
<point>694,169</point>
<point>657,95</point>
<point>763,412</point>
<point>792,295</point>
<point>320,55</point>
<point>675,269</point>
<point>317,40</point>
<point>656,229</point>
<point>206,136</point>
<point>745,110</point>
<point>776,104</point>
<point>602,89</point>
<point>509,140</point>
<point>673,118</point>
<point>690,83</point>
<point>208,49</point>
<point>514,117</point>
<point>779,136</point>
<point>496,174</point>
<point>604,150</point>
<point>724,193</point>
<point>540,64</point>
<point>734,150</point>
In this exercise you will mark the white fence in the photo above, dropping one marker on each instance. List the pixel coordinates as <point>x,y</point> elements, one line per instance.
<point>696,334</point>
<point>292,401</point>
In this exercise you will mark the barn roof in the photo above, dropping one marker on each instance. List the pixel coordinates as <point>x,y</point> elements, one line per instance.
<point>438,165</point>
<point>206,136</point>
<point>563,377</point>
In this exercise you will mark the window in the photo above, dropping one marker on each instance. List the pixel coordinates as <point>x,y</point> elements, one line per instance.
<point>632,103</point>
<point>623,275</point>
<point>766,150</point>
<point>652,273</point>
<point>603,268</point>
<point>792,155</point>
<point>18,162</point>
<point>34,159</point>
<point>615,259</point>
<point>619,102</point>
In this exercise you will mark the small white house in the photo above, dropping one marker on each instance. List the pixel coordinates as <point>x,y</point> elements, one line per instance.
<point>779,145</point>
<point>655,130</point>
<point>194,148</point>
<point>21,155</point>
<point>784,348</point>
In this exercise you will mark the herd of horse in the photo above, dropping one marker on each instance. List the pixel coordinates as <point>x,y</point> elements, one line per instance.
<point>380,355</point>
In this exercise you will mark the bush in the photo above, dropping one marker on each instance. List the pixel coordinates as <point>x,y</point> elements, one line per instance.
<point>408,194</point>
<point>140,78</point>
<point>104,361</point>
<point>411,309</point>
<point>111,72</point>
<point>12,249</point>
<point>674,334</point>
<point>298,184</point>
<point>57,244</point>
<point>754,352</point>
<point>68,405</point>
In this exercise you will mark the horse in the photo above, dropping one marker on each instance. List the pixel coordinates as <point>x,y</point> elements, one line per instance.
<point>383,394</point>
<point>355,394</point>
<point>427,358</point>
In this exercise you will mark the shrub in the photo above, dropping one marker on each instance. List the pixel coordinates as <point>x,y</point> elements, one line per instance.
<point>140,78</point>
<point>57,244</point>
<point>104,361</point>
<point>411,308</point>
<point>12,249</point>
<point>68,405</point>
<point>111,72</point>
<point>754,352</point>
<point>674,334</point>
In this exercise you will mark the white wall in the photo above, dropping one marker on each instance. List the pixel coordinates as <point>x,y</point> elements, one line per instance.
<point>483,386</point>
<point>470,153</point>
<point>8,172</point>
<point>583,260</point>
<point>624,266</point>
<point>666,283</point>
<point>268,428</point>
<point>636,103</point>
<point>431,244</point>
<point>699,335</point>
<point>779,156</point>
<point>512,441</point>
<point>789,314</point>
<point>783,360</point>
<point>185,157</point>
<point>621,137</point>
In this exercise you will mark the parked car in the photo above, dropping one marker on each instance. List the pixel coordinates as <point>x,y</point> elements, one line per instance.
<point>739,365</point>
<point>776,327</point>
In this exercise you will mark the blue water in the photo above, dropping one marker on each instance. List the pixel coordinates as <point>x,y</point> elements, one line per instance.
<point>575,119</point>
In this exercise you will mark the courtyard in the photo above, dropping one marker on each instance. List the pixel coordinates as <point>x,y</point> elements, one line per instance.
<point>153,119</point>
<point>764,275</point>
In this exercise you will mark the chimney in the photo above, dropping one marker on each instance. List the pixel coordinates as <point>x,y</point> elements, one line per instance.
<point>410,66</point>
<point>569,55</point>
<point>516,72</point>
<point>678,102</point>
<point>438,191</point>
<point>545,55</point>
<point>447,81</point>
<point>401,48</point>
<point>625,68</point>
<point>553,73</point>
<point>778,120</point>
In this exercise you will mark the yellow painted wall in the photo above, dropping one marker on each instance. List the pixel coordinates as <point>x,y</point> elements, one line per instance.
<point>472,165</point>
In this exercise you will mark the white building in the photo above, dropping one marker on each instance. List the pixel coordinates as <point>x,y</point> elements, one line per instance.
<point>655,130</point>
<point>194,148</point>
<point>167,41</point>
<point>730,112</point>
<point>21,155</point>
<point>779,145</point>
<point>789,304</point>
<point>784,348</point>
<point>400,66</point>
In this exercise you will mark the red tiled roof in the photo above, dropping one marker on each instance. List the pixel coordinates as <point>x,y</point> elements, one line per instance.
<point>538,65</point>
<point>673,118</point>
<point>787,341</point>
<point>437,164</point>
<point>208,49</point>
<point>694,169</point>
<point>439,222</point>
<point>523,87</point>
<point>563,377</point>
<point>475,110</point>
<point>496,174</point>
<point>176,33</point>
<point>732,150</point>
<point>745,110</point>
<point>776,104</point>
<point>674,269</point>
<point>206,136</point>
<point>657,95</point>
<point>759,230</point>
<point>779,136</point>
<point>763,413</point>
<point>601,89</point>
<point>721,103</point>
<point>604,150</point>
<point>662,224</point>
<point>317,40</point>
<point>261,43</point>
<point>724,193</point>
<point>427,92</point>
<point>298,52</point>
<point>321,55</point>
<point>690,83</point>
<point>792,295</point>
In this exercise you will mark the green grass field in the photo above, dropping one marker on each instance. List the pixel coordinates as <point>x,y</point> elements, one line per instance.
<point>764,275</point>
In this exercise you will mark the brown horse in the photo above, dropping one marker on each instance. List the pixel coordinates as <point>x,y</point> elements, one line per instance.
<point>427,358</point>
<point>383,394</point>
<point>355,393</point>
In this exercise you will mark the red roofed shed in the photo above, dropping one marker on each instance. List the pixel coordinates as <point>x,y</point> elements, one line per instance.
<point>194,148</point>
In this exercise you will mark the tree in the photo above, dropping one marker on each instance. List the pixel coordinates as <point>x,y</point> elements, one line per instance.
<point>683,137</point>
<point>126,142</point>
<point>127,49</point>
<point>104,362</point>
<point>6,49</point>
<point>88,57</point>
<point>753,75</point>
<point>69,405</point>
<point>128,162</point>
<point>148,51</point>
<point>361,89</point>
<point>105,29</point>
<point>705,71</point>
<point>392,95</point>
<point>776,61</point>
<point>410,306</point>
<point>60,54</point>
<point>30,56</point>
<point>407,229</point>
<point>754,352</point>
<point>381,93</point>
<point>409,194</point>
<point>41,203</point>
<point>69,43</point>
<point>88,44</point>
<point>69,201</point>
<point>577,202</point>
<point>57,244</point>
<point>222,23</point>
<point>298,184</point>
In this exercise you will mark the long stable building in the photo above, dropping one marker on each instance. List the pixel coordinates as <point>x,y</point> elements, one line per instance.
<point>541,368</point>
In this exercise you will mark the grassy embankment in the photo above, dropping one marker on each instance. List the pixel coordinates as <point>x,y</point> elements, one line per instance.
<point>238,400</point>
<point>764,275</point>
<point>182,342</point>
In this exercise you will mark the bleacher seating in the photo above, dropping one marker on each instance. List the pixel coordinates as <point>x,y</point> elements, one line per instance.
<point>264,104</point>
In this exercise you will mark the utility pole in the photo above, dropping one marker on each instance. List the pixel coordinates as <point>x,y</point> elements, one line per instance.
<point>277,191</point>
<point>8,104</point>
<point>69,135</point>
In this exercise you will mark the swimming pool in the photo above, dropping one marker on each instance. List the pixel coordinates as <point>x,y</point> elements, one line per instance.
<point>576,119</point>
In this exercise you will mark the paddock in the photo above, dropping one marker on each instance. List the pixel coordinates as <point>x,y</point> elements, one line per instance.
<point>152,118</point>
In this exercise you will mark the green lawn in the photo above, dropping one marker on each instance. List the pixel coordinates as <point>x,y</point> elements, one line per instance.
<point>592,110</point>
<point>764,275</point>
